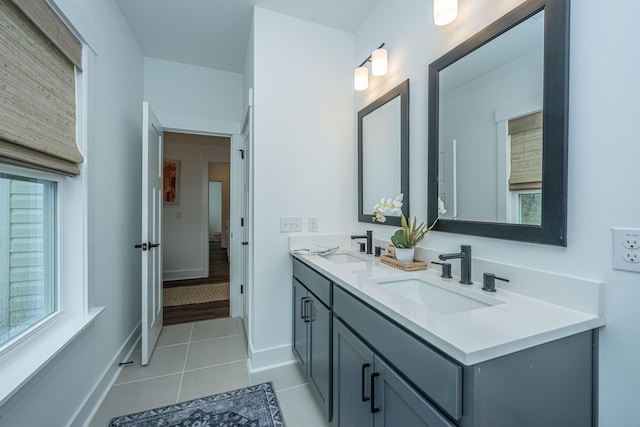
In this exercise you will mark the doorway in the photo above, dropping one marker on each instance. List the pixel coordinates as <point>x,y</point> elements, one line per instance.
<point>197,242</point>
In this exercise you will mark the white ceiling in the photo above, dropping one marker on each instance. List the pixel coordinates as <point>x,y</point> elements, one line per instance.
<point>214,33</point>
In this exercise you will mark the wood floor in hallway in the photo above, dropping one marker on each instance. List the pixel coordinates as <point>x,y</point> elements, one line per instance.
<point>218,273</point>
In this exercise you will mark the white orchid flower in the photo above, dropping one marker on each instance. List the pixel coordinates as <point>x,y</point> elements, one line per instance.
<point>441,209</point>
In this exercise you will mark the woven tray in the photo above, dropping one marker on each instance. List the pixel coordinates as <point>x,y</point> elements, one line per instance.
<point>407,266</point>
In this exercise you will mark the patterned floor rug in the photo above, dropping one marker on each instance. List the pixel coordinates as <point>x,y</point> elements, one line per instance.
<point>254,406</point>
<point>196,294</point>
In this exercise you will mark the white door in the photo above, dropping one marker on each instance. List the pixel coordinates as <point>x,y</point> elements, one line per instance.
<point>246,212</point>
<point>151,231</point>
<point>447,178</point>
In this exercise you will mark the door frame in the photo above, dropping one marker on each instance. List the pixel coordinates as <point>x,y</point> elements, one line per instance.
<point>235,259</point>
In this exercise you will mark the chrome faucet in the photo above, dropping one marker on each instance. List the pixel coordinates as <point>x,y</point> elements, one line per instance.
<point>465,263</point>
<point>369,237</point>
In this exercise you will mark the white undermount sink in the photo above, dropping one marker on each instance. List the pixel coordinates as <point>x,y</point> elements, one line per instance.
<point>441,298</point>
<point>344,258</point>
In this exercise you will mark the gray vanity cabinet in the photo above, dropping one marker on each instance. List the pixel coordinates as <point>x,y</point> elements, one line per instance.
<point>379,364</point>
<point>312,331</point>
<point>369,392</point>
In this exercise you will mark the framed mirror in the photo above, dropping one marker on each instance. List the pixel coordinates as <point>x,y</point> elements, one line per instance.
<point>498,110</point>
<point>383,152</point>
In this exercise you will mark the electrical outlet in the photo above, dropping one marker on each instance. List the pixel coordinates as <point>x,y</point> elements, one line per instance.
<point>290,224</point>
<point>313,224</point>
<point>631,242</point>
<point>626,249</point>
<point>632,257</point>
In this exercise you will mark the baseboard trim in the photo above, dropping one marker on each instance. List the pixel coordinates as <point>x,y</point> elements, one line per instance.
<point>274,357</point>
<point>93,402</point>
<point>168,276</point>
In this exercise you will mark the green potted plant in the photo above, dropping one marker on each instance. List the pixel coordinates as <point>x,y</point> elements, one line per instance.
<point>407,238</point>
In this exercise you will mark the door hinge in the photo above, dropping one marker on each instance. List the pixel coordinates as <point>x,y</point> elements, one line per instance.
<point>242,289</point>
<point>241,222</point>
<point>241,153</point>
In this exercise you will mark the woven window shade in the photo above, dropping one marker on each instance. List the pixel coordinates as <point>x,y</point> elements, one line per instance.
<point>526,152</point>
<point>37,90</point>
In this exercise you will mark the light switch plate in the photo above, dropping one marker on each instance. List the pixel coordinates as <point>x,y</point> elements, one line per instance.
<point>313,224</point>
<point>626,249</point>
<point>290,224</point>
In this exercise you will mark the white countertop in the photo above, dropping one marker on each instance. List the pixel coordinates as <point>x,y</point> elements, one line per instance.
<point>516,322</point>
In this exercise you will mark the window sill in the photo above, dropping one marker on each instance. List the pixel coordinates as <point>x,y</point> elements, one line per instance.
<point>22,363</point>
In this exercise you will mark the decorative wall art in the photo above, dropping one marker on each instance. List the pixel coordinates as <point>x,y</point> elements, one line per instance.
<point>170,181</point>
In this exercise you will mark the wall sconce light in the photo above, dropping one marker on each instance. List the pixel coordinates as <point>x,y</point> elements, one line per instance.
<point>379,67</point>
<point>444,11</point>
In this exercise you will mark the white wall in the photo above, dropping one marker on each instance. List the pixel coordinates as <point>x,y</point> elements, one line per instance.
<point>186,97</point>
<point>55,395</point>
<point>303,156</point>
<point>603,149</point>
<point>185,225</point>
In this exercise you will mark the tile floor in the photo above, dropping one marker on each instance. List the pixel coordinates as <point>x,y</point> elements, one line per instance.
<point>198,359</point>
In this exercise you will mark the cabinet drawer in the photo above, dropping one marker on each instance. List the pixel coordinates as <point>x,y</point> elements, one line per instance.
<point>437,376</point>
<point>319,285</point>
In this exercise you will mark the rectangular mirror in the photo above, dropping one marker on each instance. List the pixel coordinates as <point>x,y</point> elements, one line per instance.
<point>498,128</point>
<point>383,152</point>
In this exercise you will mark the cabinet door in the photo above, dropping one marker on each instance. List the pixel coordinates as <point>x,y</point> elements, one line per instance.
<point>300,305</point>
<point>396,403</point>
<point>352,368</point>
<point>319,361</point>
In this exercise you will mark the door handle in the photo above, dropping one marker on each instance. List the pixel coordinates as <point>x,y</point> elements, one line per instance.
<point>364,368</point>
<point>373,393</point>
<point>302,307</point>
<point>153,245</point>
<point>307,316</point>
<point>244,243</point>
<point>142,246</point>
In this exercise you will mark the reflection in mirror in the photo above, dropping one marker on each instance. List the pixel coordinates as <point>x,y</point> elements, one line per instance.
<point>480,96</point>
<point>383,152</point>
<point>498,110</point>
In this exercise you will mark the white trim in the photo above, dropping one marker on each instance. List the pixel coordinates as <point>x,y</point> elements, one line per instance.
<point>269,358</point>
<point>71,14</point>
<point>204,214</point>
<point>235,231</point>
<point>196,273</point>
<point>22,364</point>
<point>92,403</point>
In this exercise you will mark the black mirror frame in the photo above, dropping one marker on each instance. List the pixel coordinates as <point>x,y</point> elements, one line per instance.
<point>553,230</point>
<point>402,90</point>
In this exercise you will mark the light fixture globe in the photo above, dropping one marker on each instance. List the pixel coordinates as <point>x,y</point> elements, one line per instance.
<point>444,11</point>
<point>361,78</point>
<point>379,64</point>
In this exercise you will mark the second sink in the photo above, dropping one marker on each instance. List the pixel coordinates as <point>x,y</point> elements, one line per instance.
<point>344,258</point>
<point>434,297</point>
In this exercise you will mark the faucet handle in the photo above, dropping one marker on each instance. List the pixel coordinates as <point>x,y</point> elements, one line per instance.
<point>489,281</point>
<point>446,269</point>
<point>378,250</point>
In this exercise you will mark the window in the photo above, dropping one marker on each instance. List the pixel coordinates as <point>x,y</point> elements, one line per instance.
<point>28,267</point>
<point>525,169</point>
<point>528,207</point>
<point>44,297</point>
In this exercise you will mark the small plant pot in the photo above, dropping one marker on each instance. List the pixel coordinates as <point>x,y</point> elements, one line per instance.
<point>404,254</point>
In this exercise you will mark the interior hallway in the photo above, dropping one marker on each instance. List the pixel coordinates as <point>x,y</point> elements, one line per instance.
<point>199,359</point>
<point>218,273</point>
